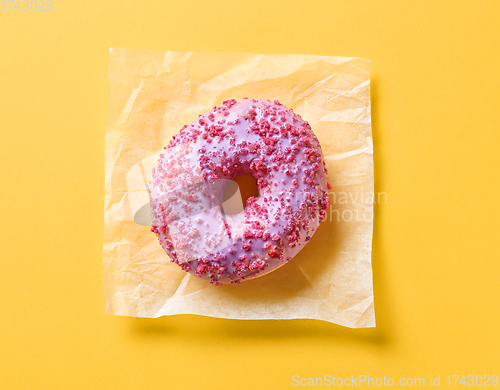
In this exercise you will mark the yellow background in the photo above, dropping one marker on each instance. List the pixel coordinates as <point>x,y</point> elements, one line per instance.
<point>436,128</point>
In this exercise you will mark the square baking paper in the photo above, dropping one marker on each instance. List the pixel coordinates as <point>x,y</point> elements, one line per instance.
<point>151,96</point>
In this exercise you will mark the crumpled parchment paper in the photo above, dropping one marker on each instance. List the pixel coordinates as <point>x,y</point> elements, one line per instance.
<point>151,96</point>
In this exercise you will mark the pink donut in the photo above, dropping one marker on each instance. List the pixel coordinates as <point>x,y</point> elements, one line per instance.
<point>255,137</point>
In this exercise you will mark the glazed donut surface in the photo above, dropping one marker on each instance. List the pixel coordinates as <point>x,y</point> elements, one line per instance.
<point>255,137</point>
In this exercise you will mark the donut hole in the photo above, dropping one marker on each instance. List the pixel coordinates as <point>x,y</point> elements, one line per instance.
<point>237,193</point>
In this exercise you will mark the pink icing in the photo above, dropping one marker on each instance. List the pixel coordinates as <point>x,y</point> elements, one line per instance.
<point>256,137</point>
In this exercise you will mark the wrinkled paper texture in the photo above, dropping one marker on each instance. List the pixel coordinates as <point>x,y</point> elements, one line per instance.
<point>151,96</point>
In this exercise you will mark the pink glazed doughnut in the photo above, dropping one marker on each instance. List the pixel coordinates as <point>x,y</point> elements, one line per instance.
<point>255,137</point>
